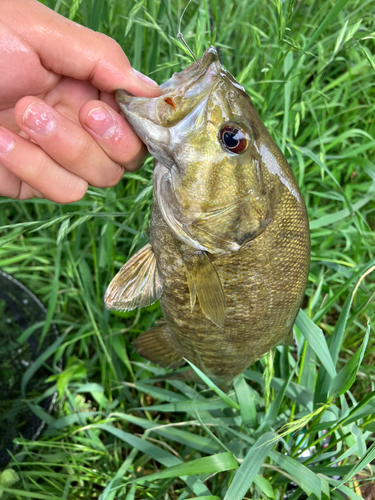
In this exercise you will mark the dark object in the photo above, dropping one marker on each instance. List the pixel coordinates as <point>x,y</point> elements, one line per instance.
<point>19,310</point>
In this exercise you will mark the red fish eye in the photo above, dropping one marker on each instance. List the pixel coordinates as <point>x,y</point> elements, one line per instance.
<point>233,139</point>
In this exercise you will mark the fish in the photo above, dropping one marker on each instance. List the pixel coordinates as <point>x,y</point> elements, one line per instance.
<point>229,248</point>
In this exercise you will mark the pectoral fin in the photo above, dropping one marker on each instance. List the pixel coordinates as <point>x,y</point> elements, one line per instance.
<point>137,283</point>
<point>204,282</point>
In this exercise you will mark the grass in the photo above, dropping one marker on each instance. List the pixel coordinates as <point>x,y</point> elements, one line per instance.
<point>299,422</point>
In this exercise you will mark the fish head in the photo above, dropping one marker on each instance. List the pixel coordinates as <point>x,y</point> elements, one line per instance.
<point>210,145</point>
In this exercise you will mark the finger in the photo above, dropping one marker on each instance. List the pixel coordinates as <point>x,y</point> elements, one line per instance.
<point>27,162</point>
<point>13,187</point>
<point>113,134</point>
<point>69,49</point>
<point>9,183</point>
<point>67,143</point>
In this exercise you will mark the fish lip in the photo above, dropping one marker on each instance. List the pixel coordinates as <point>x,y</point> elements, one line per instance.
<point>192,72</point>
<point>122,93</point>
<point>196,68</point>
<point>145,107</point>
<point>126,99</point>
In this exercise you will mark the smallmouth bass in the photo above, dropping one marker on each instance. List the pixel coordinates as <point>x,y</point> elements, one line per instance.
<point>229,245</point>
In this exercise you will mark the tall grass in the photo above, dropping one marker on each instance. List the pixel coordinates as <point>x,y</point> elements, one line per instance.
<point>300,422</point>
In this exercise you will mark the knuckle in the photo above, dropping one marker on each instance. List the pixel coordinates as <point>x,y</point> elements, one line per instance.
<point>109,44</point>
<point>108,176</point>
<point>115,47</point>
<point>116,176</point>
<point>78,152</point>
<point>132,151</point>
<point>136,159</point>
<point>75,191</point>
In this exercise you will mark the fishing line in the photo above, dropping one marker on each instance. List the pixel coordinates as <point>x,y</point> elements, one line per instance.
<point>180,35</point>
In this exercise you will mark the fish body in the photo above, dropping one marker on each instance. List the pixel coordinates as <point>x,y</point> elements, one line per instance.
<point>229,244</point>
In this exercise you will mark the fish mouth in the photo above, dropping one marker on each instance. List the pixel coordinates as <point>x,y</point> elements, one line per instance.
<point>153,118</point>
<point>193,72</point>
<point>179,96</point>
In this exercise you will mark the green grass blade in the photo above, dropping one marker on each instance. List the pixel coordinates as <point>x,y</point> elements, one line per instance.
<point>162,456</point>
<point>361,410</point>
<point>264,485</point>
<point>328,19</point>
<point>301,474</point>
<point>194,441</point>
<point>110,490</point>
<point>54,293</point>
<point>227,400</point>
<point>294,391</point>
<point>246,400</point>
<point>326,220</point>
<point>187,406</point>
<point>207,465</point>
<point>346,377</point>
<point>335,341</point>
<point>274,408</point>
<point>250,466</point>
<point>314,336</point>
<point>28,494</point>
<point>349,492</point>
<point>361,464</point>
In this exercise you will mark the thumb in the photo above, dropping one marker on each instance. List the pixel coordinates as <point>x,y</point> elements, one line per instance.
<point>68,49</point>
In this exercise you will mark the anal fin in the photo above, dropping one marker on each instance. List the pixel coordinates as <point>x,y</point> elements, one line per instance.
<point>157,346</point>
<point>137,284</point>
<point>204,282</point>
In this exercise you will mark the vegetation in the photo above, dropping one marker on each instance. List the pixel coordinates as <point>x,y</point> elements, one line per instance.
<point>300,422</point>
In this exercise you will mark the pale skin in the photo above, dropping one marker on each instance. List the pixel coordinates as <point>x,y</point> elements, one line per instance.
<point>60,130</point>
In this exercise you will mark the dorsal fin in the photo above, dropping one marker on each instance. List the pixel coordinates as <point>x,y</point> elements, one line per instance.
<point>137,284</point>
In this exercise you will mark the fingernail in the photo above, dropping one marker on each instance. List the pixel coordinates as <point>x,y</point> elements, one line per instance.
<point>100,121</point>
<point>145,79</point>
<point>39,119</point>
<point>6,141</point>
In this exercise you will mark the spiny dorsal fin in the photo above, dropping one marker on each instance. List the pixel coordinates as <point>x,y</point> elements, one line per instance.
<point>137,284</point>
<point>204,283</point>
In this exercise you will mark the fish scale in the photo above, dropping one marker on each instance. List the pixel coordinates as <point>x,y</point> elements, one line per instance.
<point>229,239</point>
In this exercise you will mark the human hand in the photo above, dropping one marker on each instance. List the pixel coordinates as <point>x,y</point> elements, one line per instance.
<point>60,130</point>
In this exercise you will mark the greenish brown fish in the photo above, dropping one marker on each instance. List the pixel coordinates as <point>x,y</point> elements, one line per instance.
<point>229,246</point>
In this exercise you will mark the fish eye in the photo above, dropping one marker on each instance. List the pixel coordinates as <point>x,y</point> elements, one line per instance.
<point>233,139</point>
